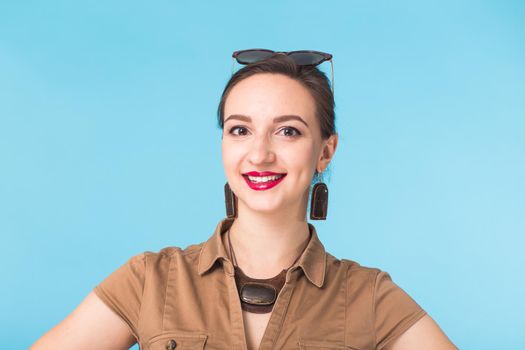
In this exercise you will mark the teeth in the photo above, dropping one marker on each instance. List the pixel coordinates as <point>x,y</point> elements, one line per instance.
<point>264,178</point>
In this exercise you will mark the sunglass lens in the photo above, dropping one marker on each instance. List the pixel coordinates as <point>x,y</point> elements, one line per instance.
<point>251,56</point>
<point>306,58</point>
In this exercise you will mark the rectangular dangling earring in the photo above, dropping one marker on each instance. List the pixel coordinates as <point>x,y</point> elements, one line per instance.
<point>319,201</point>
<point>231,201</point>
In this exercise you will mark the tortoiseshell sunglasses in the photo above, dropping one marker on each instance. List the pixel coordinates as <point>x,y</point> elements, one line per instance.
<point>301,58</point>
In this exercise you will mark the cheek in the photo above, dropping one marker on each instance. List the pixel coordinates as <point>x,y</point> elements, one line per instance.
<point>302,159</point>
<point>231,157</point>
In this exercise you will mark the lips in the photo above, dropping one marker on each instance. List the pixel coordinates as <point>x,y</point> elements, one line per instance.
<point>260,186</point>
<point>264,173</point>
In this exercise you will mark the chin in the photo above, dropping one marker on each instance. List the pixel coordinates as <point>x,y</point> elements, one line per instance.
<point>264,206</point>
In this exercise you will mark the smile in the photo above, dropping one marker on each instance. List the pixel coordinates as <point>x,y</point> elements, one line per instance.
<point>260,183</point>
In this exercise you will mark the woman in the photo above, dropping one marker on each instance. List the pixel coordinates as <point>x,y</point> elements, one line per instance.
<point>263,279</point>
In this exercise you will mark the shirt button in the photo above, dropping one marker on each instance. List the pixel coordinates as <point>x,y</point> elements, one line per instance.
<point>172,344</point>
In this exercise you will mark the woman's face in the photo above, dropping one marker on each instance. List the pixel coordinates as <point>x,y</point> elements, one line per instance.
<point>270,126</point>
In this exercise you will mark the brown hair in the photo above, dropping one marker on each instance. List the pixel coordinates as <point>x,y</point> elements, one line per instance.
<point>314,80</point>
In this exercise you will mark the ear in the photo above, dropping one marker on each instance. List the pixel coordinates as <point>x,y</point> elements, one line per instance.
<point>327,152</point>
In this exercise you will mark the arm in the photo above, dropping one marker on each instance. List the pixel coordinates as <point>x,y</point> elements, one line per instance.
<point>92,325</point>
<point>425,334</point>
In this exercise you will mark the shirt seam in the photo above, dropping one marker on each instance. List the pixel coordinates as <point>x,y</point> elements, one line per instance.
<point>139,323</point>
<point>285,314</point>
<point>374,307</point>
<point>166,294</point>
<point>346,304</point>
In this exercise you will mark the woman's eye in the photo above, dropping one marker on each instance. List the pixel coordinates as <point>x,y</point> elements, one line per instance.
<point>289,131</point>
<point>241,129</point>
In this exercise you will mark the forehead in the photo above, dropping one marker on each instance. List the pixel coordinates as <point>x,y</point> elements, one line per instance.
<point>265,95</point>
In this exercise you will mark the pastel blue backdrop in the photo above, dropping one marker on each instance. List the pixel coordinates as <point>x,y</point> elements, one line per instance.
<point>109,146</point>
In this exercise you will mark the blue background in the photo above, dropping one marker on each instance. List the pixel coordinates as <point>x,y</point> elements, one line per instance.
<point>109,146</point>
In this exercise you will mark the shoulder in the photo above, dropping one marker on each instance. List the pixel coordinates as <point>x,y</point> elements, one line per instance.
<point>170,255</point>
<point>363,283</point>
<point>353,271</point>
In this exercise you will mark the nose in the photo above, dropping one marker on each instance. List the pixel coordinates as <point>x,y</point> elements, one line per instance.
<point>261,151</point>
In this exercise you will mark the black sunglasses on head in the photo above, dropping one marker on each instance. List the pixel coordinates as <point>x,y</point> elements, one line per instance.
<point>300,57</point>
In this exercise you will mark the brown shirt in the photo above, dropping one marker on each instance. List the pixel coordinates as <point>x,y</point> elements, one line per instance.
<point>189,295</point>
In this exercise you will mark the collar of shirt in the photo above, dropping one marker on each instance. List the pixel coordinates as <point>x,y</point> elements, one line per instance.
<point>313,260</point>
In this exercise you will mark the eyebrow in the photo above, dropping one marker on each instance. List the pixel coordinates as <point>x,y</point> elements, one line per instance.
<point>279,119</point>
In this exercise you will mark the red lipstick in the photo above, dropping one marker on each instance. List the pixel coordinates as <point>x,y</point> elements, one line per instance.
<point>264,173</point>
<point>261,186</point>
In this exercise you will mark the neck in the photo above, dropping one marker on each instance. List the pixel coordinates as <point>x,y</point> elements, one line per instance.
<point>264,245</point>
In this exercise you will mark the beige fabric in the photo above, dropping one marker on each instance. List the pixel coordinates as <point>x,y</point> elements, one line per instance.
<point>189,295</point>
